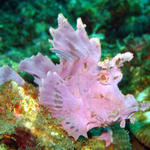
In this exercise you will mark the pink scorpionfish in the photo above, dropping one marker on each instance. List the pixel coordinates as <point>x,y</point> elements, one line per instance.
<point>81,91</point>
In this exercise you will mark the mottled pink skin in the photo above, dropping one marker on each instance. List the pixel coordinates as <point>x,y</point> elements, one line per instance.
<point>77,91</point>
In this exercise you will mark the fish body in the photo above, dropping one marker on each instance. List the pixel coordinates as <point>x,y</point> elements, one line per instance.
<point>81,91</point>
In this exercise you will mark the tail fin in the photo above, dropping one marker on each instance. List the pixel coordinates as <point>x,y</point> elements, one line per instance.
<point>6,74</point>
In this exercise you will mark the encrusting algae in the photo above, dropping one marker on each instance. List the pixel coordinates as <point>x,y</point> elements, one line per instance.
<point>26,124</point>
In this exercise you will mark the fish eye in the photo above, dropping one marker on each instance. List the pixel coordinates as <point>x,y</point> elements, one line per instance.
<point>103,77</point>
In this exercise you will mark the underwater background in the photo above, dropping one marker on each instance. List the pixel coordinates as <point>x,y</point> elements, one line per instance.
<point>121,26</point>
